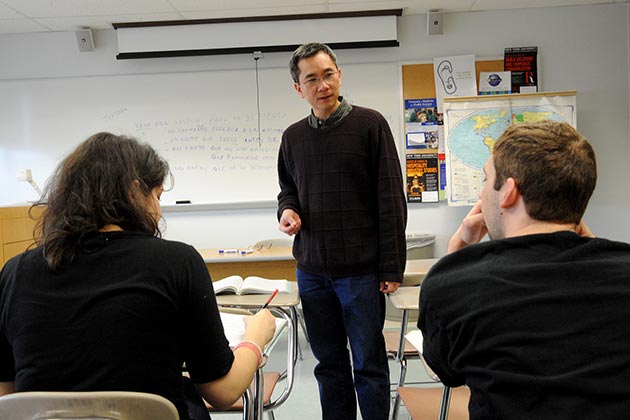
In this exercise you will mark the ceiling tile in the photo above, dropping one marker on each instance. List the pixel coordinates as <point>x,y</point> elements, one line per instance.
<point>201,5</point>
<point>60,8</point>
<point>8,13</point>
<point>15,26</point>
<point>102,22</point>
<point>58,15</point>
<point>518,4</point>
<point>412,7</point>
<point>252,11</point>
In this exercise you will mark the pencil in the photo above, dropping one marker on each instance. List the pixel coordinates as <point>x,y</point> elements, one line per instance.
<point>273,295</point>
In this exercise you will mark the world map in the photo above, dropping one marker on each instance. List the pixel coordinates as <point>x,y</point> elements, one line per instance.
<point>472,139</point>
<point>473,125</point>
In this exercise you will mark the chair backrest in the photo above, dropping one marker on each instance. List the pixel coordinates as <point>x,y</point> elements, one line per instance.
<point>101,405</point>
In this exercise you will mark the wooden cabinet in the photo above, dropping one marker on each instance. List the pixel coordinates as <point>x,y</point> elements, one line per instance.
<point>16,230</point>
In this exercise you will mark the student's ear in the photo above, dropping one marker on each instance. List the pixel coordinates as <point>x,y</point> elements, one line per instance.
<point>510,193</point>
<point>135,192</point>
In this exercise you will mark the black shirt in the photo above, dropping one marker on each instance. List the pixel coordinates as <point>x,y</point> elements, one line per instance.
<point>124,315</point>
<point>537,326</point>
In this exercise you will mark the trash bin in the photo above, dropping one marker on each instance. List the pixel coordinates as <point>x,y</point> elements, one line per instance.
<point>419,246</point>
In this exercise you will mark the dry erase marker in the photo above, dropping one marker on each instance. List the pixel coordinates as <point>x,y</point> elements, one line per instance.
<point>182,202</point>
<point>247,251</point>
<point>273,295</point>
<point>228,251</point>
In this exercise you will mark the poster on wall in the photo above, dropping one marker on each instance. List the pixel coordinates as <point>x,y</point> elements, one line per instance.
<point>522,62</point>
<point>422,178</point>
<point>495,82</point>
<point>454,76</point>
<point>421,123</point>
<point>473,125</point>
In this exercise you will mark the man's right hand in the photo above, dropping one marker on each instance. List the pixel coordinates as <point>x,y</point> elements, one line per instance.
<point>290,222</point>
<point>471,231</point>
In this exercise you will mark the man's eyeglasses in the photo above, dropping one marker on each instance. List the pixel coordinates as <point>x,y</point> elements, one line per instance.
<point>328,77</point>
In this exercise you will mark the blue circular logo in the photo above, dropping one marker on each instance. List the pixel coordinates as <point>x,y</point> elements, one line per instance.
<point>494,80</point>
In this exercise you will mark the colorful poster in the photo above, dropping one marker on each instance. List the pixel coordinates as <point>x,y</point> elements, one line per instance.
<point>495,82</point>
<point>421,123</point>
<point>442,166</point>
<point>422,178</point>
<point>522,62</point>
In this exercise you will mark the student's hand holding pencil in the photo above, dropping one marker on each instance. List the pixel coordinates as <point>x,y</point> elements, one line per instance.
<point>260,327</point>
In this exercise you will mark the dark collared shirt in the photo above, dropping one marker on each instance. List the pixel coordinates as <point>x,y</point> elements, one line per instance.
<point>342,110</point>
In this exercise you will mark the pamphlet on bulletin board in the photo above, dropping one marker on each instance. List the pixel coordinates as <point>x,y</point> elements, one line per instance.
<point>422,178</point>
<point>422,123</point>
<point>522,63</point>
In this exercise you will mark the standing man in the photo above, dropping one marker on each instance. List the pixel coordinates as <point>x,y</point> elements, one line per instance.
<point>534,321</point>
<point>342,196</point>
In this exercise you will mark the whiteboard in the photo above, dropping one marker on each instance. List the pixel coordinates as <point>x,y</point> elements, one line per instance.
<point>204,123</point>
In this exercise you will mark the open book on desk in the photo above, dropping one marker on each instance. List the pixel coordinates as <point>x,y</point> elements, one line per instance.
<point>250,285</point>
<point>234,328</point>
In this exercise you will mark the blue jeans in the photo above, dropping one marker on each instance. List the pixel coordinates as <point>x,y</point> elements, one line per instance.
<point>338,310</point>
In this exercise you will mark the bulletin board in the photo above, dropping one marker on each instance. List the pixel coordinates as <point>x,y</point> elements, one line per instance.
<point>426,160</point>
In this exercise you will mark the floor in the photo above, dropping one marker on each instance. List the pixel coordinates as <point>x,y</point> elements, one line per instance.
<point>303,402</point>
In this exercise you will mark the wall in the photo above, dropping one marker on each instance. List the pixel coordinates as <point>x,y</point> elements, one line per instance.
<point>585,48</point>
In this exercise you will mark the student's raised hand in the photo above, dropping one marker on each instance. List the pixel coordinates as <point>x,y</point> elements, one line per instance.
<point>583,230</point>
<point>471,231</point>
<point>290,222</point>
<point>260,327</point>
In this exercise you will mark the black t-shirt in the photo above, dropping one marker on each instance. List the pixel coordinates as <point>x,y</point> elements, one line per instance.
<point>537,326</point>
<point>125,315</point>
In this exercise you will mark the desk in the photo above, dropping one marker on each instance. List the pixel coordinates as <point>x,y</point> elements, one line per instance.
<point>16,230</point>
<point>276,262</point>
<point>416,271</point>
<point>285,304</point>
<point>407,299</point>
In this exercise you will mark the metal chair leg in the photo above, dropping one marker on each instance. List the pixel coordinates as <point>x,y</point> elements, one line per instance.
<point>445,403</point>
<point>401,382</point>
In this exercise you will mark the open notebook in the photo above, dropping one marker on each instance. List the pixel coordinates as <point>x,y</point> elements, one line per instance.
<point>234,327</point>
<point>416,339</point>
<point>250,285</point>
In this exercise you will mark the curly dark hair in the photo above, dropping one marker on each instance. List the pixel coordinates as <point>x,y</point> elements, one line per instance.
<point>104,181</point>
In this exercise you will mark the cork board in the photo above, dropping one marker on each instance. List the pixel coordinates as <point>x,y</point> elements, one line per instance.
<point>418,80</point>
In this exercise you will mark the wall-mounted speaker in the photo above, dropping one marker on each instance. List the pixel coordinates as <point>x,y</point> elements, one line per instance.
<point>435,23</point>
<point>84,40</point>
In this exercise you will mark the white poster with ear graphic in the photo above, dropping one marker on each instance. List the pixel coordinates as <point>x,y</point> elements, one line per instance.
<point>454,76</point>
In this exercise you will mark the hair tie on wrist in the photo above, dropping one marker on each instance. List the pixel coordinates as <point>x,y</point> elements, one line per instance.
<point>253,347</point>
